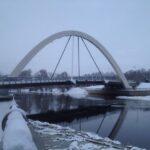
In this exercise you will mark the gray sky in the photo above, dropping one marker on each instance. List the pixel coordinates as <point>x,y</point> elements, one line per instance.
<point>122,26</point>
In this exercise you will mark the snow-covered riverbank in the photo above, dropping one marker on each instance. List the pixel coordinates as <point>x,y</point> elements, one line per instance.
<point>141,86</point>
<point>147,98</point>
<point>58,137</point>
<point>4,108</point>
<point>75,92</point>
<point>17,135</point>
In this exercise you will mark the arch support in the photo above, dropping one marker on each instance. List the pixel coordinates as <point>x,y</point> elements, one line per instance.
<point>58,35</point>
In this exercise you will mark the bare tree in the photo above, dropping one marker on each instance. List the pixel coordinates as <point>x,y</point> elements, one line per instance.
<point>26,74</point>
<point>42,74</point>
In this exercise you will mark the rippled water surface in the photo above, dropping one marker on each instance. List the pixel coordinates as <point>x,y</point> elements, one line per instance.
<point>125,120</point>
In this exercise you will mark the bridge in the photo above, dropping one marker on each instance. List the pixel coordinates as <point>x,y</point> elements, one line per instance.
<point>48,83</point>
<point>81,37</point>
<point>122,86</point>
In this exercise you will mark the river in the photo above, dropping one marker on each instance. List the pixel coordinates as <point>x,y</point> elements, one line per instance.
<point>125,120</point>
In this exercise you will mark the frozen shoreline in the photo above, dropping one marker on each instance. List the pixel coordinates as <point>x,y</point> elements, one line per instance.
<point>17,135</point>
<point>4,108</point>
<point>146,98</point>
<point>143,85</point>
<point>58,137</point>
<point>75,92</point>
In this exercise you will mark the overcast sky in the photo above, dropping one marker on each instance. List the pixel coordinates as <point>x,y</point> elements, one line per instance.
<point>122,26</point>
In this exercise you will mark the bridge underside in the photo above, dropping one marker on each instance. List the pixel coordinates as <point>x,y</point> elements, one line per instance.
<point>51,84</point>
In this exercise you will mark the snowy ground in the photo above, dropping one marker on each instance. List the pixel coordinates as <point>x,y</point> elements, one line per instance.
<point>75,92</point>
<point>57,137</point>
<point>144,85</point>
<point>4,108</point>
<point>96,87</point>
<point>147,98</point>
<point>17,135</point>
<point>141,86</point>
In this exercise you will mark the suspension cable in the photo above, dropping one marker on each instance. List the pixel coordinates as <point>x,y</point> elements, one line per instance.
<point>78,57</point>
<point>93,59</point>
<point>72,60</point>
<point>104,116</point>
<point>60,57</point>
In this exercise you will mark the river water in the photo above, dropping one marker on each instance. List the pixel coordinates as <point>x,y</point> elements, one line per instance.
<point>125,120</point>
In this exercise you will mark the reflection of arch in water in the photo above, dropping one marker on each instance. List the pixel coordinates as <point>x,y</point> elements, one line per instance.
<point>58,35</point>
<point>118,124</point>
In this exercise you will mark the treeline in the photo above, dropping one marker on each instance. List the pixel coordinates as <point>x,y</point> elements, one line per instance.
<point>139,75</point>
<point>43,74</point>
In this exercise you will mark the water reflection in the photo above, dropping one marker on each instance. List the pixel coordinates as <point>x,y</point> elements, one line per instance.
<point>124,120</point>
<point>118,123</point>
<point>38,103</point>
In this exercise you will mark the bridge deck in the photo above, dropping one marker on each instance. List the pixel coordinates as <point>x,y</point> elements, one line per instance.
<point>112,88</point>
<point>48,83</point>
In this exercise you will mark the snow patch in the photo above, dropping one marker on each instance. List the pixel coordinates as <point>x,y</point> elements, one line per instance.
<point>144,85</point>
<point>93,136</point>
<point>4,108</point>
<point>74,146</point>
<point>56,91</point>
<point>73,81</point>
<point>77,92</point>
<point>17,135</point>
<point>74,140</point>
<point>25,91</point>
<point>96,87</point>
<point>90,146</point>
<point>147,98</point>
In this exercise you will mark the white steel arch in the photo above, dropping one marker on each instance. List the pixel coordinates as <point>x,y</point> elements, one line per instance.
<point>58,35</point>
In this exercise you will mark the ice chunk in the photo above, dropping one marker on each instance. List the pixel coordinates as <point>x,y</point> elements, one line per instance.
<point>77,92</point>
<point>56,91</point>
